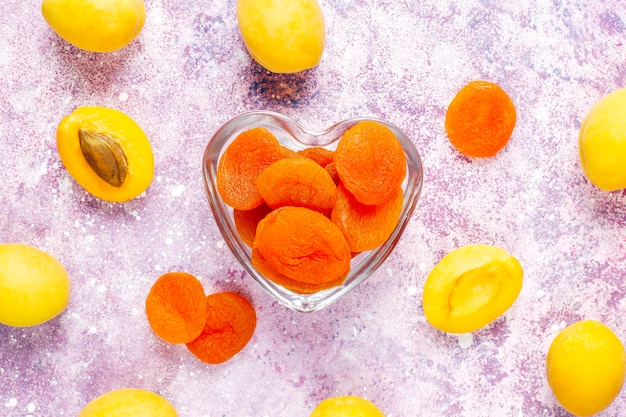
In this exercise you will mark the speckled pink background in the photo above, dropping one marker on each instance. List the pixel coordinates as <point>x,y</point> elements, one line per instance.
<point>188,73</point>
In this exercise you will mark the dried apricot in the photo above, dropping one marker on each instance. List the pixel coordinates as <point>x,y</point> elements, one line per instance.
<point>246,222</point>
<point>332,170</point>
<point>261,265</point>
<point>230,324</point>
<point>303,245</point>
<point>480,119</point>
<point>176,307</point>
<point>299,182</point>
<point>370,162</point>
<point>106,152</point>
<point>470,287</point>
<point>365,227</point>
<point>243,160</point>
<point>320,155</point>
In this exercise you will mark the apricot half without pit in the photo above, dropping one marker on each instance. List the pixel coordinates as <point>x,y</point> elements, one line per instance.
<point>106,152</point>
<point>470,287</point>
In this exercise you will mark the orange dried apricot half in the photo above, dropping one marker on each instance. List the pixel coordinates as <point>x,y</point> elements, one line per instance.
<point>230,324</point>
<point>299,182</point>
<point>480,119</point>
<point>295,285</point>
<point>243,160</point>
<point>303,245</point>
<point>106,152</point>
<point>176,307</point>
<point>470,287</point>
<point>320,155</point>
<point>370,162</point>
<point>365,227</point>
<point>246,222</point>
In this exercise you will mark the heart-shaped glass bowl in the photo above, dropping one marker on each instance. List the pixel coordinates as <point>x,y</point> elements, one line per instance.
<point>291,135</point>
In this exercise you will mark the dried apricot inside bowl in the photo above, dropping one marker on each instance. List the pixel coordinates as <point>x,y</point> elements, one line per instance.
<point>585,367</point>
<point>470,287</point>
<point>283,230</point>
<point>106,152</point>
<point>95,25</point>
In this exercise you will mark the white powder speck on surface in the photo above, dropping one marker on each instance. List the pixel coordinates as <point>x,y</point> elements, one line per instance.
<point>11,403</point>
<point>220,244</point>
<point>178,190</point>
<point>102,289</point>
<point>540,293</point>
<point>123,97</point>
<point>412,290</point>
<point>466,340</point>
<point>169,241</point>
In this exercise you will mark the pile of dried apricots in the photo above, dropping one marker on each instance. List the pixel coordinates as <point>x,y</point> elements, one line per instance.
<point>306,213</point>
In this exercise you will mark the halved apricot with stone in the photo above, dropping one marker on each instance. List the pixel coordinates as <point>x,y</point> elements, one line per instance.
<point>106,152</point>
<point>470,287</point>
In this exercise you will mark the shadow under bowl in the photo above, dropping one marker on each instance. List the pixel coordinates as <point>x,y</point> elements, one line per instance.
<point>295,137</point>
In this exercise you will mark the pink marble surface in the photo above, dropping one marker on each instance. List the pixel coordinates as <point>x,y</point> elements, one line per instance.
<point>403,61</point>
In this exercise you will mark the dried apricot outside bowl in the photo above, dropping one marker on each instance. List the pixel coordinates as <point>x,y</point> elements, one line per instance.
<point>294,138</point>
<point>106,152</point>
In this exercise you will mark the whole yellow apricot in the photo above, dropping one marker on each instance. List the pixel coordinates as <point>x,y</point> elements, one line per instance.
<point>284,36</point>
<point>129,402</point>
<point>34,286</point>
<point>346,406</point>
<point>106,152</point>
<point>585,367</point>
<point>602,142</point>
<point>470,287</point>
<point>95,25</point>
